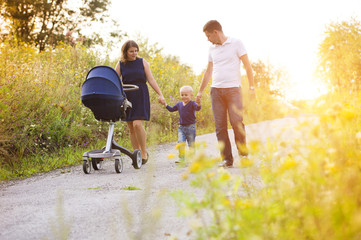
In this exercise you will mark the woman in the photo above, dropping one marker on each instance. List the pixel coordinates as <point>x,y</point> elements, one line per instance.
<point>135,70</point>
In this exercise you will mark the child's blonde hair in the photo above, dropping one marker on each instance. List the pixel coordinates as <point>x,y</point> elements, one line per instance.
<point>186,88</point>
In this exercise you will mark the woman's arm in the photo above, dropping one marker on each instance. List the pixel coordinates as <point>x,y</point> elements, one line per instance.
<point>152,82</point>
<point>117,69</point>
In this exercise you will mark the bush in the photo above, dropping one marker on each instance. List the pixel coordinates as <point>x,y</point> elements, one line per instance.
<point>40,105</point>
<point>41,112</point>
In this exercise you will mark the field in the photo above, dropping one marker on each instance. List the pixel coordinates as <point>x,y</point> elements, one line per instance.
<point>44,125</point>
<point>312,192</point>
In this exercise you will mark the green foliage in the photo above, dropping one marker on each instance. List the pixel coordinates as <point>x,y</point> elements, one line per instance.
<point>269,78</point>
<point>40,108</point>
<point>265,105</point>
<point>303,188</point>
<point>41,112</point>
<point>340,55</point>
<point>45,22</point>
<point>42,116</point>
<point>131,188</point>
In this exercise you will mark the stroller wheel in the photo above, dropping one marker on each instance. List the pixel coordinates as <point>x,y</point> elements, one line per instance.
<point>118,165</point>
<point>97,163</point>
<point>137,159</point>
<point>86,166</point>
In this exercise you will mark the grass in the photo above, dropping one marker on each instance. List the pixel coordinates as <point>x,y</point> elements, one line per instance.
<point>131,188</point>
<point>306,188</point>
<point>44,125</point>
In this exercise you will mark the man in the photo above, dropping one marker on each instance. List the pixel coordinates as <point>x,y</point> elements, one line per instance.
<point>224,64</point>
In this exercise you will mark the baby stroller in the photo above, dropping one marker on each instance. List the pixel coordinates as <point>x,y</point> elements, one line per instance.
<point>103,93</point>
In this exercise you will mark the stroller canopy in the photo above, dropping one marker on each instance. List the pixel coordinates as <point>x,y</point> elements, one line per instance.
<point>103,93</point>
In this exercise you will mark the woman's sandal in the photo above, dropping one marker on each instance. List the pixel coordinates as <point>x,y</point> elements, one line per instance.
<point>144,161</point>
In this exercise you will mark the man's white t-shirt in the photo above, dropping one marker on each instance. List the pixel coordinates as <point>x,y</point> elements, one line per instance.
<point>227,63</point>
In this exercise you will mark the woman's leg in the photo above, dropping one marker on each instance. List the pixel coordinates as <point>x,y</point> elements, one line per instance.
<point>141,137</point>
<point>133,136</point>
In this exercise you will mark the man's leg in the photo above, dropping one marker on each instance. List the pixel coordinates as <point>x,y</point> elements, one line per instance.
<point>219,108</point>
<point>234,98</point>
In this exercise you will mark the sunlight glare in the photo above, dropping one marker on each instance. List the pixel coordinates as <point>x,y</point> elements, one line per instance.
<point>303,89</point>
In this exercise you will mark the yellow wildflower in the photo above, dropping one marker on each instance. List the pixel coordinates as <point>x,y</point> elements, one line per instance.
<point>255,146</point>
<point>331,168</point>
<point>243,204</point>
<point>226,202</point>
<point>185,176</point>
<point>225,176</point>
<point>337,106</point>
<point>246,162</point>
<point>195,167</point>
<point>348,114</point>
<point>211,174</point>
<point>180,145</point>
<point>358,137</point>
<point>288,163</point>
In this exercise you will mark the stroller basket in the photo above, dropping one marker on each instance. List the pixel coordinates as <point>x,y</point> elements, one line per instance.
<point>103,93</point>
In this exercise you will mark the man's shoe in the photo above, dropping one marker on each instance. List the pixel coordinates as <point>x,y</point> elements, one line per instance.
<point>225,164</point>
<point>243,154</point>
<point>243,150</point>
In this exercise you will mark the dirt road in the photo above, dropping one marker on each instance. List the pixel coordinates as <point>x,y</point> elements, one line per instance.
<point>68,204</point>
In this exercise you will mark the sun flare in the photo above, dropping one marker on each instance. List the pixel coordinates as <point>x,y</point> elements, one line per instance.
<point>302,89</point>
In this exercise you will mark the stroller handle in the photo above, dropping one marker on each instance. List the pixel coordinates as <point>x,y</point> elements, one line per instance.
<point>130,87</point>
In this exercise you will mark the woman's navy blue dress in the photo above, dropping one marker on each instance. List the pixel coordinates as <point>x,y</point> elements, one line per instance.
<point>133,73</point>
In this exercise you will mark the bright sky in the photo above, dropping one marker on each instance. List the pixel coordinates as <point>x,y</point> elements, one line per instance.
<point>285,33</point>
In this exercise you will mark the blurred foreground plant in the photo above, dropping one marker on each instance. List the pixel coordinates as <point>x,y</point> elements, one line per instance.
<point>307,188</point>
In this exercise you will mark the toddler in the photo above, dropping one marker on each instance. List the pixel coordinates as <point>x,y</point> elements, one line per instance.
<point>187,119</point>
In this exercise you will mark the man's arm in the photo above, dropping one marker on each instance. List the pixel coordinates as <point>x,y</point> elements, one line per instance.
<point>206,77</point>
<point>249,71</point>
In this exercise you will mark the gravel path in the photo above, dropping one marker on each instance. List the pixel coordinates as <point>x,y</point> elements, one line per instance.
<point>72,205</point>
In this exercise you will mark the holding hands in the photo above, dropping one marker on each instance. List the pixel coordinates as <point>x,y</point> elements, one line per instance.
<point>252,93</point>
<point>198,98</point>
<point>161,100</point>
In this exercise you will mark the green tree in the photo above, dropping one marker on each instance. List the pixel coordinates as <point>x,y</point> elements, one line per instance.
<point>340,55</point>
<point>45,22</point>
<point>269,78</point>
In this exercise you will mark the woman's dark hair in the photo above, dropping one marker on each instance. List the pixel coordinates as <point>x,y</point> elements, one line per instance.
<point>128,44</point>
<point>212,25</point>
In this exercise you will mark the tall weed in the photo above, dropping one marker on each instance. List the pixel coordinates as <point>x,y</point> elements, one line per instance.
<point>306,188</point>
<point>41,112</point>
<point>40,106</point>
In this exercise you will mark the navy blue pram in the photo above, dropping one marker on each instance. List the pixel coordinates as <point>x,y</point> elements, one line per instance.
<point>104,93</point>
